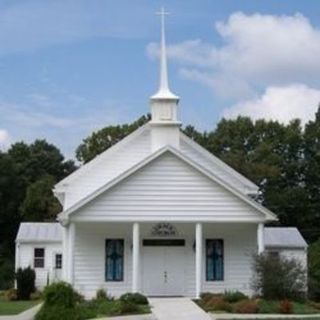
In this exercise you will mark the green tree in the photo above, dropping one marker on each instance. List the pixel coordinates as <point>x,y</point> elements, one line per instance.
<point>312,176</point>
<point>27,172</point>
<point>269,154</point>
<point>105,138</point>
<point>39,203</point>
<point>314,270</point>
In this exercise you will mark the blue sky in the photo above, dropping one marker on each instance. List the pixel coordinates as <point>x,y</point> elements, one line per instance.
<point>70,67</point>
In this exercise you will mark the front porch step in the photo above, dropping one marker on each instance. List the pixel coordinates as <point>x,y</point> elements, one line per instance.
<point>176,309</point>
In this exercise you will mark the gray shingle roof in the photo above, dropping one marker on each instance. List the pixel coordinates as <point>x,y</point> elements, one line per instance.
<point>283,237</point>
<point>39,231</point>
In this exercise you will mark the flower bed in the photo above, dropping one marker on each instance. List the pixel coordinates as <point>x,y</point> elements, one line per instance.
<point>239,303</point>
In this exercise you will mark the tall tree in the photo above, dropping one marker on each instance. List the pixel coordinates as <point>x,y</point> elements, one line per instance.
<point>312,175</point>
<point>27,174</point>
<point>39,203</point>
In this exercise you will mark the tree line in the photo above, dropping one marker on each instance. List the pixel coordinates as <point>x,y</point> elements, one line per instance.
<point>282,159</point>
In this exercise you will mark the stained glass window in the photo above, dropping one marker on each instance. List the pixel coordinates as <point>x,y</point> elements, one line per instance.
<point>214,260</point>
<point>114,259</point>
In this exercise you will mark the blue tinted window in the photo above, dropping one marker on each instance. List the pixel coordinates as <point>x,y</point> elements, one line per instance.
<point>214,260</point>
<point>114,259</point>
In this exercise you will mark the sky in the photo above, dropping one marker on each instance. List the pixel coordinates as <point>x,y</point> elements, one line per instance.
<point>69,67</point>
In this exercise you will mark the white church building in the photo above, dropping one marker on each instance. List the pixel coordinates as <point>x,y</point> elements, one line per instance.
<point>157,214</point>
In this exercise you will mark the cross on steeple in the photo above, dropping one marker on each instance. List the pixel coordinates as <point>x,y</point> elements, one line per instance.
<point>164,91</point>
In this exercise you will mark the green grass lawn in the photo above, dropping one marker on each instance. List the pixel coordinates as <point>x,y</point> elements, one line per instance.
<point>15,307</point>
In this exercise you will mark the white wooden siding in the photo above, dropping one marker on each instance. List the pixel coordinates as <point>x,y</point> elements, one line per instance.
<point>104,171</point>
<point>300,254</point>
<point>240,244</point>
<point>89,260</point>
<point>168,188</point>
<point>221,172</point>
<point>123,156</point>
<point>25,255</point>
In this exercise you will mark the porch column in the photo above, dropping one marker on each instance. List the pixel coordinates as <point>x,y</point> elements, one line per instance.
<point>71,239</point>
<point>135,256</point>
<point>198,259</point>
<point>260,238</point>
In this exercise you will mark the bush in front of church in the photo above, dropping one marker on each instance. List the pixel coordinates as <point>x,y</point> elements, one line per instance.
<point>279,278</point>
<point>60,303</point>
<point>25,283</point>
<point>135,298</point>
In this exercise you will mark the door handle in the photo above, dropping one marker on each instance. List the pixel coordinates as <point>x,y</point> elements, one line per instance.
<point>165,277</point>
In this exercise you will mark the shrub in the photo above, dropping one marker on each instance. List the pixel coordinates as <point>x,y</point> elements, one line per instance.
<point>315,305</point>
<point>61,294</point>
<point>285,306</point>
<point>217,303</point>
<point>87,310</point>
<point>234,296</point>
<point>11,294</point>
<point>135,298</point>
<point>279,279</point>
<point>101,294</point>
<point>128,307</point>
<point>314,270</point>
<point>37,295</point>
<point>246,306</point>
<point>61,302</point>
<point>267,306</point>
<point>56,312</point>
<point>25,283</point>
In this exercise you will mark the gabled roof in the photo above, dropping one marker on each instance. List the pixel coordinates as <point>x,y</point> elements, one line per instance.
<point>39,232</point>
<point>268,215</point>
<point>217,163</point>
<point>129,152</point>
<point>276,237</point>
<point>99,158</point>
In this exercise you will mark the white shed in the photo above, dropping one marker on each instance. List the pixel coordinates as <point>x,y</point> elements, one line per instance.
<point>286,241</point>
<point>39,245</point>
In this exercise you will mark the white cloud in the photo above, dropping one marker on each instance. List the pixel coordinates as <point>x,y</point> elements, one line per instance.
<point>257,51</point>
<point>279,103</point>
<point>4,139</point>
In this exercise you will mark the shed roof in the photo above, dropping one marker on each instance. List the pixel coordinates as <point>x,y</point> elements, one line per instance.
<point>39,232</point>
<point>283,237</point>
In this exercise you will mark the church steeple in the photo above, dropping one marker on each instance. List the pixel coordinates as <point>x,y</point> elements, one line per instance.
<point>164,102</point>
<point>164,91</point>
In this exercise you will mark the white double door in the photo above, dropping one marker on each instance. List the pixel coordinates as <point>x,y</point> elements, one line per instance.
<point>163,270</point>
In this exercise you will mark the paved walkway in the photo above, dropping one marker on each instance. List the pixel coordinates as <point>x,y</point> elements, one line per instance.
<point>135,317</point>
<point>229,316</point>
<point>26,315</point>
<point>176,309</point>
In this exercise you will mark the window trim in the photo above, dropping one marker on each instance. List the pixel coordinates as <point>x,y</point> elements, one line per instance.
<point>39,258</point>
<point>123,260</point>
<point>222,256</point>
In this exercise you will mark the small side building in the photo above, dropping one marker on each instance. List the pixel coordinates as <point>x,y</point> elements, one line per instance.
<point>39,245</point>
<point>287,242</point>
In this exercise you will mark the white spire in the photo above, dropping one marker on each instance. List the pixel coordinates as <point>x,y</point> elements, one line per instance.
<point>164,91</point>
